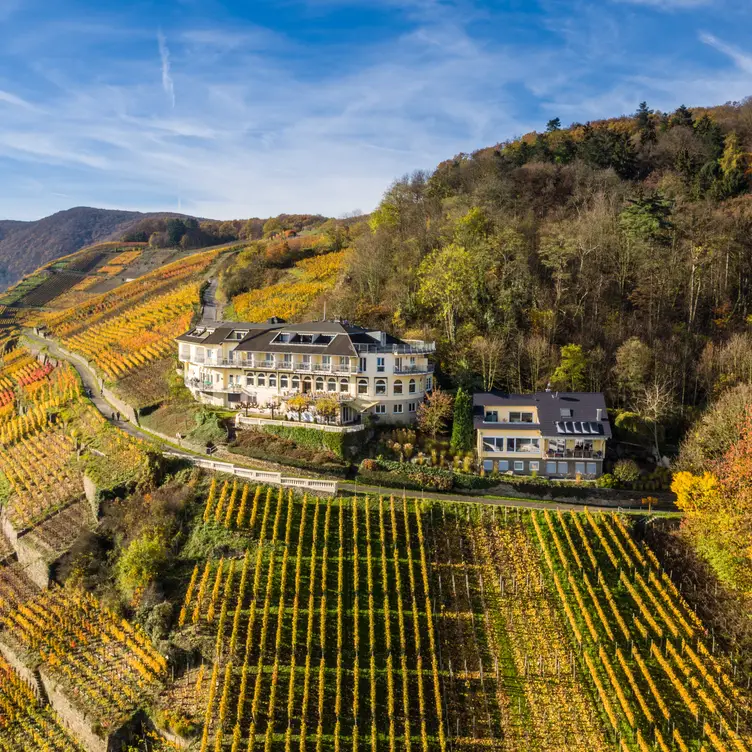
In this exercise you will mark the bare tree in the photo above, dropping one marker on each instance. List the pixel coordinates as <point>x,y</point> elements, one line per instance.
<point>489,352</point>
<point>655,404</point>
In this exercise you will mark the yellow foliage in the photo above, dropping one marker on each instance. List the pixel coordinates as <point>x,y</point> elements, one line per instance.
<point>696,493</point>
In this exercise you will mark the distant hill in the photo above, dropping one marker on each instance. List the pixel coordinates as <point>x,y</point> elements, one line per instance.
<point>25,246</point>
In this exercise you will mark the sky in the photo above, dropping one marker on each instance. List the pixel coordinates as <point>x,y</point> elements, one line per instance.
<point>255,107</point>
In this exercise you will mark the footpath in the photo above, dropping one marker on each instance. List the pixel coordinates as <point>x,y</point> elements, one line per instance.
<point>128,424</point>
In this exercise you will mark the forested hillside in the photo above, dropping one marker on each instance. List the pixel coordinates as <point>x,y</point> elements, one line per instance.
<point>625,242</point>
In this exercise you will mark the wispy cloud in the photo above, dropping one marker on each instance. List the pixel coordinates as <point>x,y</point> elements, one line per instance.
<point>742,60</point>
<point>670,4</point>
<point>9,98</point>
<point>164,53</point>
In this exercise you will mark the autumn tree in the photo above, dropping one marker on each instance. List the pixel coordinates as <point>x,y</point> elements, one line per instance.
<point>435,412</point>
<point>327,408</point>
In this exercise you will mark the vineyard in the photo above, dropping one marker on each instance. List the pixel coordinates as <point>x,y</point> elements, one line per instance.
<point>375,623</point>
<point>122,330</point>
<point>107,664</point>
<point>25,724</point>
<point>294,294</point>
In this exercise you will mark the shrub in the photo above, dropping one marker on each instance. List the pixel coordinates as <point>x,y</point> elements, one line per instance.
<point>626,471</point>
<point>606,481</point>
<point>140,563</point>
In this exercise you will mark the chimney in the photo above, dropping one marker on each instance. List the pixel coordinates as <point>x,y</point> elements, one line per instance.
<point>599,414</point>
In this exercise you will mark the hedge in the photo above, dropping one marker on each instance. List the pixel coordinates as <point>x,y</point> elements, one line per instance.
<point>340,443</point>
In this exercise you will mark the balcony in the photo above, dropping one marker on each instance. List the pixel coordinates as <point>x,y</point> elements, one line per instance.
<point>406,370</point>
<point>334,369</point>
<point>411,347</point>
<point>574,454</point>
<point>208,386</point>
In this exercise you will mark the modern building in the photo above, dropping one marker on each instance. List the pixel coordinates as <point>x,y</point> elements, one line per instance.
<point>552,434</point>
<point>260,366</point>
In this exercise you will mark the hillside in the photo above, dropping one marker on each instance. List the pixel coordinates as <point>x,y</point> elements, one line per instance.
<point>24,246</point>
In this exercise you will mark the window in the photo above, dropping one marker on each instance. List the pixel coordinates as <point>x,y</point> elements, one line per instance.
<point>344,363</point>
<point>519,466</point>
<point>306,360</point>
<point>556,447</point>
<point>488,466</point>
<point>592,468</point>
<point>579,468</point>
<point>397,408</point>
<point>491,416</point>
<point>566,412</point>
<point>563,468</point>
<point>429,383</point>
<point>261,379</point>
<point>493,444</point>
<point>534,467</point>
<point>326,361</point>
<point>380,409</point>
<point>273,380</point>
<point>520,417</point>
<point>362,386</point>
<point>319,383</point>
<point>284,381</point>
<point>411,407</point>
<point>411,386</point>
<point>380,365</point>
<point>331,385</point>
<point>551,468</point>
<point>344,385</point>
<point>231,380</point>
<point>296,383</point>
<point>503,466</point>
<point>380,386</point>
<point>363,365</point>
<point>398,386</point>
<point>523,445</point>
<point>286,361</point>
<point>231,356</point>
<point>249,380</point>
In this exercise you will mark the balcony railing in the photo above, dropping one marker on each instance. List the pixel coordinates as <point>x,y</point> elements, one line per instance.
<point>574,454</point>
<point>427,368</point>
<point>415,347</point>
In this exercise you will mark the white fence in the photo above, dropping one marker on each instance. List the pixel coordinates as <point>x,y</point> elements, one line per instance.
<point>261,476</point>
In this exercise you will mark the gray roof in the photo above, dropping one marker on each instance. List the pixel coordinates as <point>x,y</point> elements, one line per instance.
<point>582,419</point>
<point>338,337</point>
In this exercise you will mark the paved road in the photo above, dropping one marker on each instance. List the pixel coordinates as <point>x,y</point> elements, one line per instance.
<point>90,382</point>
<point>211,310</point>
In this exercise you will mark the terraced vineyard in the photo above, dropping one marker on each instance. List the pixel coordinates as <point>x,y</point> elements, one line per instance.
<point>122,330</point>
<point>375,623</point>
<point>26,724</point>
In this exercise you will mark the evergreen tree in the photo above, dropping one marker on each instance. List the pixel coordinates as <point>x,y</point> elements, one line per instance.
<point>462,423</point>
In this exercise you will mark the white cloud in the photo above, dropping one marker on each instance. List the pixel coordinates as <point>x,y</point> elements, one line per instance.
<point>167,82</point>
<point>9,98</point>
<point>669,4</point>
<point>743,61</point>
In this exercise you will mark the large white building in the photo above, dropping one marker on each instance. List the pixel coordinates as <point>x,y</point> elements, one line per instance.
<point>260,366</point>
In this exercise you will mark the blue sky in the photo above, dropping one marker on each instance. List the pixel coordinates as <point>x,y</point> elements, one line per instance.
<point>255,107</point>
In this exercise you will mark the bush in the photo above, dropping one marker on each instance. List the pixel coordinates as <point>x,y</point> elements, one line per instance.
<point>209,427</point>
<point>339,443</point>
<point>140,563</point>
<point>606,481</point>
<point>626,471</point>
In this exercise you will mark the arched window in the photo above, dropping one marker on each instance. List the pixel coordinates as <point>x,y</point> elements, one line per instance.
<point>283,381</point>
<point>380,386</point>
<point>362,386</point>
<point>296,383</point>
<point>273,380</point>
<point>331,385</point>
<point>344,385</point>
<point>249,379</point>
<point>261,379</point>
<point>398,386</point>
<point>411,386</point>
<point>307,384</point>
<point>319,383</point>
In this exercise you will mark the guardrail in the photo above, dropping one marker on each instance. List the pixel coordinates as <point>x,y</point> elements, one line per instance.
<point>248,420</point>
<point>262,476</point>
